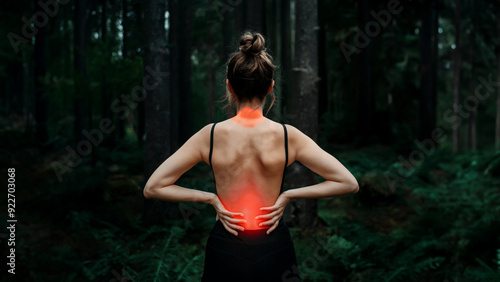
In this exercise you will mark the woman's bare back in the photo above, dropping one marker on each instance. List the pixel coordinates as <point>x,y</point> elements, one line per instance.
<point>248,163</point>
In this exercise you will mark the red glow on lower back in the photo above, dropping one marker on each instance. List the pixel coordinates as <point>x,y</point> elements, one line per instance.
<point>250,204</point>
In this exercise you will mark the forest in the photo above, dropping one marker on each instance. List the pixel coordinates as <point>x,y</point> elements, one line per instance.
<point>96,94</point>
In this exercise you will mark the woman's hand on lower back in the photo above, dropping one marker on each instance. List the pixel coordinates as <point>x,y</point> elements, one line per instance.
<point>229,219</point>
<point>274,214</point>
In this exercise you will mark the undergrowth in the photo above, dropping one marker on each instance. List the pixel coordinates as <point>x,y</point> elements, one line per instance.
<point>437,223</point>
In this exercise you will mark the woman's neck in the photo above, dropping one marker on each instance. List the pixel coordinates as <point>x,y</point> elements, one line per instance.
<point>249,113</point>
<point>248,117</point>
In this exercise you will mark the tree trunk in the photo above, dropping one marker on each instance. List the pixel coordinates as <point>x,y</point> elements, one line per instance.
<point>80,33</point>
<point>228,32</point>
<point>427,107</point>
<point>121,123</point>
<point>174,35</point>
<point>211,76</point>
<point>497,127</point>
<point>185,116</point>
<point>365,95</point>
<point>286,58</point>
<point>239,16</point>
<point>323,85</point>
<point>40,89</point>
<point>105,93</point>
<point>157,106</point>
<point>137,7</point>
<point>434,60</point>
<point>179,37</point>
<point>273,19</point>
<point>456,78</point>
<point>255,16</point>
<point>125,28</point>
<point>473,114</point>
<point>232,25</point>
<point>304,212</point>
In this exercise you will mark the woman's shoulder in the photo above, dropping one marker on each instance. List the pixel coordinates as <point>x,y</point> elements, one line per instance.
<point>292,130</point>
<point>296,138</point>
<point>207,128</point>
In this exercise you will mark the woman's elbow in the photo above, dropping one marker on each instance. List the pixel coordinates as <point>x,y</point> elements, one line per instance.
<point>355,187</point>
<point>148,192</point>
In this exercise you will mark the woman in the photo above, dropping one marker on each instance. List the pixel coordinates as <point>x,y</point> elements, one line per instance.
<point>248,155</point>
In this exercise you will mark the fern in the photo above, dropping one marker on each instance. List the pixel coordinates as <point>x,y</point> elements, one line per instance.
<point>159,263</point>
<point>190,268</point>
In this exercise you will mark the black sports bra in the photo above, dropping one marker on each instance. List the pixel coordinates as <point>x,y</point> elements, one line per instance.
<point>211,149</point>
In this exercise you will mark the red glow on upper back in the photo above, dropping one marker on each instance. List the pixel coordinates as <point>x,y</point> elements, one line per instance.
<point>248,117</point>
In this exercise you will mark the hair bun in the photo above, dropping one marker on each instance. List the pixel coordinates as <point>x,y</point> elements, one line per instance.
<point>252,43</point>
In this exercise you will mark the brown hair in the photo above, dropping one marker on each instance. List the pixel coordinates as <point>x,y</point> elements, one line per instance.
<point>250,70</point>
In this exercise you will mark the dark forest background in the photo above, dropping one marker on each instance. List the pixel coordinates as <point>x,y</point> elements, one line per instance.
<point>95,94</point>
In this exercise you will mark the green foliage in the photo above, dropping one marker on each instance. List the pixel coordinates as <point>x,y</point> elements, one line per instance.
<point>441,222</point>
<point>154,254</point>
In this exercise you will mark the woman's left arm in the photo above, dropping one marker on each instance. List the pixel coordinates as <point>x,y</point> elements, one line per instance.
<point>161,184</point>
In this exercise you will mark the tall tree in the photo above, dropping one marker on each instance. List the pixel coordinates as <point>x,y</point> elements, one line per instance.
<point>457,64</point>
<point>473,113</point>
<point>186,117</point>
<point>232,24</point>
<point>323,93</point>
<point>228,33</point>
<point>180,40</point>
<point>125,28</point>
<point>286,55</point>
<point>174,35</point>
<point>211,73</point>
<point>365,96</point>
<point>40,91</point>
<point>255,16</point>
<point>137,8</point>
<point>239,17</point>
<point>273,19</point>
<point>80,38</point>
<point>105,93</point>
<point>305,107</point>
<point>427,107</point>
<point>497,126</point>
<point>157,105</point>
<point>436,6</point>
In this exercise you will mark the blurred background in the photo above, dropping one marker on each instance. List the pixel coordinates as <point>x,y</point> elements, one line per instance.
<point>96,94</point>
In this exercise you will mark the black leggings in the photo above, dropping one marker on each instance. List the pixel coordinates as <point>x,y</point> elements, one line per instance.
<point>251,256</point>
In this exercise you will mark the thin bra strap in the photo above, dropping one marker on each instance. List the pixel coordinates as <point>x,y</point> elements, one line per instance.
<point>210,154</point>
<point>211,144</point>
<point>286,154</point>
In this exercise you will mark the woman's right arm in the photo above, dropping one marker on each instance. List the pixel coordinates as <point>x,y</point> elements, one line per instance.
<point>338,180</point>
